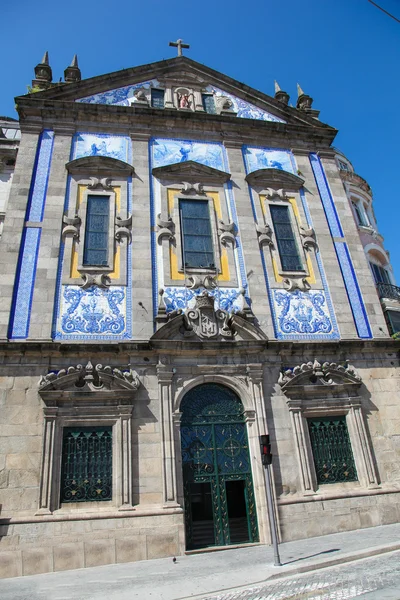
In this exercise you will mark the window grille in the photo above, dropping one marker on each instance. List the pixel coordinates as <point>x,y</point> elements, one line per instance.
<point>331,448</point>
<point>209,103</point>
<point>286,241</point>
<point>95,251</point>
<point>197,245</point>
<point>157,98</point>
<point>86,472</point>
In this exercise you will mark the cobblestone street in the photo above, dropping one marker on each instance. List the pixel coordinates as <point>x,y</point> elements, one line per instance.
<point>360,578</point>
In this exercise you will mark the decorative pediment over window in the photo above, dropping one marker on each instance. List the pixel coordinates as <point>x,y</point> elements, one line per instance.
<point>99,382</point>
<point>207,322</point>
<point>191,171</point>
<point>99,165</point>
<point>314,378</point>
<point>275,178</point>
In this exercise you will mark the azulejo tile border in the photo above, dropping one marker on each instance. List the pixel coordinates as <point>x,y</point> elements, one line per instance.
<point>23,291</point>
<point>212,154</point>
<point>26,269</point>
<point>342,251</point>
<point>297,315</point>
<point>353,291</point>
<point>40,177</point>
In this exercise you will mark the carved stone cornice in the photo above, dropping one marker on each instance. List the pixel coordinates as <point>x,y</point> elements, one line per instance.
<point>313,378</point>
<point>192,172</point>
<point>275,179</point>
<point>100,166</point>
<point>97,384</point>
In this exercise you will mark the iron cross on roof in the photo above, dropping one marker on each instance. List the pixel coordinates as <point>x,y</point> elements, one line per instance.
<point>179,44</point>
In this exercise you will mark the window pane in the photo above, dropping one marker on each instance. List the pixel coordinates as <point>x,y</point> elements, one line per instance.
<point>286,241</point>
<point>95,251</point>
<point>197,247</point>
<point>157,98</point>
<point>331,448</point>
<point>394,319</point>
<point>86,471</point>
<point>209,104</point>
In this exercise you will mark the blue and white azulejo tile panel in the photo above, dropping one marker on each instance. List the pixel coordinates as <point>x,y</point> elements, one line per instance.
<point>268,158</point>
<point>93,314</point>
<point>244,109</point>
<point>168,151</point>
<point>181,298</point>
<point>101,144</point>
<point>302,314</point>
<point>120,96</point>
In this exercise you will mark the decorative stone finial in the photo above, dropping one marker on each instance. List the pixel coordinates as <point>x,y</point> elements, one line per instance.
<point>72,74</point>
<point>43,73</point>
<point>280,95</point>
<point>304,101</point>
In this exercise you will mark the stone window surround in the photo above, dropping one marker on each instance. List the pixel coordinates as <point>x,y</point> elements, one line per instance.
<point>79,243</point>
<point>350,407</point>
<point>177,242</point>
<point>55,419</point>
<point>295,228</point>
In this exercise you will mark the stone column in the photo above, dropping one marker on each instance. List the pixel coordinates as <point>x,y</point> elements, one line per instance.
<point>165,376</point>
<point>364,449</point>
<point>46,471</point>
<point>307,479</point>
<point>141,250</point>
<point>198,101</point>
<point>257,425</point>
<point>125,456</point>
<point>168,99</point>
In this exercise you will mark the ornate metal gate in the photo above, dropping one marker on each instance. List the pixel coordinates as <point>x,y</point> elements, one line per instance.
<point>218,487</point>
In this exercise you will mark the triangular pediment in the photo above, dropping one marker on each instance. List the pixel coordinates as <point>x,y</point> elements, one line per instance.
<point>99,165</point>
<point>275,178</point>
<point>118,89</point>
<point>192,172</point>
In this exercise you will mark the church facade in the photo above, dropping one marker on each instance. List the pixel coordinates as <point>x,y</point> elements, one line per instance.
<point>182,273</point>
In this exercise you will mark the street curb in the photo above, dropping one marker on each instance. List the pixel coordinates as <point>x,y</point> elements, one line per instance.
<point>288,572</point>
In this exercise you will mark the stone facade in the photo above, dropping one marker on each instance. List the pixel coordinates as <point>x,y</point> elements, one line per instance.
<point>119,344</point>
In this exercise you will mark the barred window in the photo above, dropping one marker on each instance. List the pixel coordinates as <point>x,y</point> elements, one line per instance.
<point>95,251</point>
<point>331,448</point>
<point>286,241</point>
<point>86,471</point>
<point>157,98</point>
<point>197,244</point>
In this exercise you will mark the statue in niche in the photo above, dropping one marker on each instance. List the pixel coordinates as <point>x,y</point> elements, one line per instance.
<point>183,100</point>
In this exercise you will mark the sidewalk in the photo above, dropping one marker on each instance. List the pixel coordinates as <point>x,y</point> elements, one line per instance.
<point>200,574</point>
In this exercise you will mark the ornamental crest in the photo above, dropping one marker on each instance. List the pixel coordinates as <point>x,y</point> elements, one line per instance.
<point>205,321</point>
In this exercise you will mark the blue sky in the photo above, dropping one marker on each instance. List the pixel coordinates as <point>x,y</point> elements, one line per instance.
<point>344,53</point>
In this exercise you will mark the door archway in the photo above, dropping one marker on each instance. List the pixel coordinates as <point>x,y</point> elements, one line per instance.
<point>218,486</point>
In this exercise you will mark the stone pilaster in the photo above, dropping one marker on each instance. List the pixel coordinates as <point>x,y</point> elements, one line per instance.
<point>46,475</point>
<point>125,444</point>
<point>165,376</point>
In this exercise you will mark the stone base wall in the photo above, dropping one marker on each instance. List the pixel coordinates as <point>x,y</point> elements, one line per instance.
<point>42,547</point>
<point>312,519</point>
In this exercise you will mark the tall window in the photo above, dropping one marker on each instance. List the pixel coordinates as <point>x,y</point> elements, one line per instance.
<point>380,274</point>
<point>86,471</point>
<point>209,103</point>
<point>197,245</point>
<point>331,448</point>
<point>343,166</point>
<point>95,251</point>
<point>286,241</point>
<point>157,98</point>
